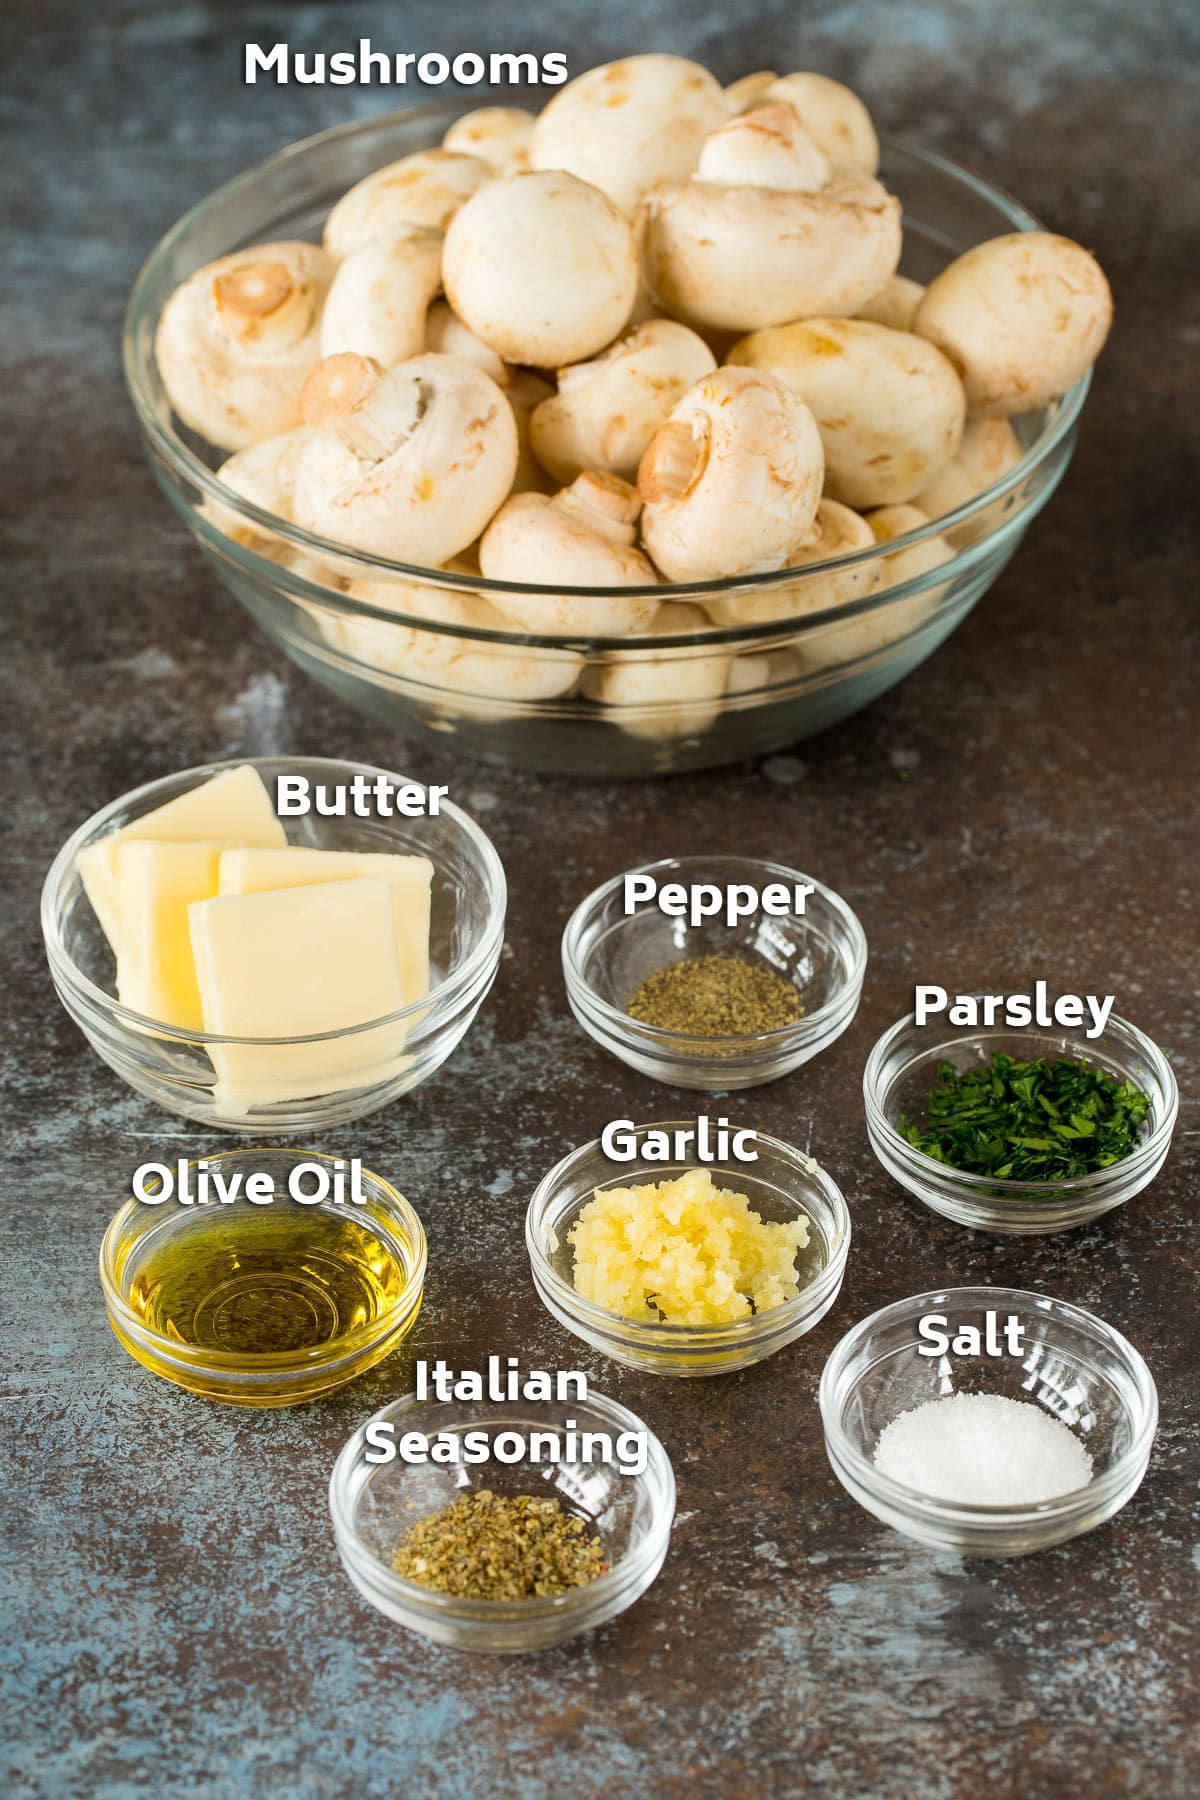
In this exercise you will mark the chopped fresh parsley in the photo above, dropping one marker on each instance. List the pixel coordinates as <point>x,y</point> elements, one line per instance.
<point>1047,1120</point>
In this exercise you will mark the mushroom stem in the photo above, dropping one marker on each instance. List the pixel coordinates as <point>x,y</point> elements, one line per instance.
<point>261,303</point>
<point>768,148</point>
<point>604,502</point>
<point>674,461</point>
<point>372,415</point>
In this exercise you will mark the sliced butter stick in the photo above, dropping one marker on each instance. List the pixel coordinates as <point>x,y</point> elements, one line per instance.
<point>234,807</point>
<point>409,877</point>
<point>156,883</point>
<point>296,962</point>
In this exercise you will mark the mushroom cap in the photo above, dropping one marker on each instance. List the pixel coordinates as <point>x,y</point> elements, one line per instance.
<point>492,675</point>
<point>748,90</point>
<point>888,522</point>
<point>542,267</point>
<point>426,188</point>
<point>766,147</point>
<point>446,335</point>
<point>732,479</point>
<point>628,125</point>
<point>606,411</point>
<point>889,405</point>
<point>582,537</point>
<point>237,340</point>
<point>745,257</point>
<point>1021,317</point>
<point>378,298</point>
<point>499,135</point>
<point>834,117</point>
<point>408,463</point>
<point>989,448</point>
<point>894,305</point>
<point>836,531</point>
<point>681,689</point>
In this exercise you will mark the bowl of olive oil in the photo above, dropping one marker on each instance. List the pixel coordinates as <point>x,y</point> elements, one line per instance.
<point>268,1300</point>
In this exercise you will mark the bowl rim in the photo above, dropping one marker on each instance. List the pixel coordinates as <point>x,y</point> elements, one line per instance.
<point>988,1189</point>
<point>85,989</point>
<point>915,1501</point>
<point>663,1335</point>
<point>675,1043</point>
<point>167,443</point>
<point>386,1206</point>
<point>658,1477</point>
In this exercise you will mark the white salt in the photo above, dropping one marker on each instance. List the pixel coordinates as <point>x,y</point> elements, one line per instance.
<point>983,1450</point>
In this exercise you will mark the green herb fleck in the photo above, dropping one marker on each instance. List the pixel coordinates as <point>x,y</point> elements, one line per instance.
<point>1050,1120</point>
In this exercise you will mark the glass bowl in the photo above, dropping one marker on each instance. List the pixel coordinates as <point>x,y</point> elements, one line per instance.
<point>795,659</point>
<point>141,1232</point>
<point>781,1185</point>
<point>374,1505</point>
<point>173,1066</point>
<point>607,953</point>
<point>901,1070</point>
<point>1073,1365</point>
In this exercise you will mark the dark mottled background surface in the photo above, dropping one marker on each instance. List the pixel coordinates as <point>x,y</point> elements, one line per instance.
<point>175,1618</point>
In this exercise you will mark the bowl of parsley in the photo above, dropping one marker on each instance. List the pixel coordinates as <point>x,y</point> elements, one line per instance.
<point>1020,1130</point>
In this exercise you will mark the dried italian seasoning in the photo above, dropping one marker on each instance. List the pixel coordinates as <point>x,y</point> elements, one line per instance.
<point>501,1547</point>
<point>716,996</point>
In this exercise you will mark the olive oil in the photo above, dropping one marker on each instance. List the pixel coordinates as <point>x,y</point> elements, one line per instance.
<point>272,1282</point>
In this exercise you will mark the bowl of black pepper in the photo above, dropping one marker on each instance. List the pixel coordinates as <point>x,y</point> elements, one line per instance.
<point>1020,1130</point>
<point>715,1002</point>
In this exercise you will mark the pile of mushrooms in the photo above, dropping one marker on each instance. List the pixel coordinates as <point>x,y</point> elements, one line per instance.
<point>654,335</point>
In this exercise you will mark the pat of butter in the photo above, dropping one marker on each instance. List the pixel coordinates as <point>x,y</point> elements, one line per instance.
<point>234,807</point>
<point>294,963</point>
<point>156,883</point>
<point>409,877</point>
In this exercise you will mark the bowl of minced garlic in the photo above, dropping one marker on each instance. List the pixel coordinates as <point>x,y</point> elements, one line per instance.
<point>688,1270</point>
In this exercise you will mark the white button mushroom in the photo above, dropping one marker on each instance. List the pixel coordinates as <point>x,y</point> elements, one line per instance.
<point>486,678</point>
<point>409,463</point>
<point>874,631</point>
<point>605,412</point>
<point>837,532</point>
<point>764,234</point>
<point>542,267</point>
<point>237,340</point>
<point>732,479</point>
<point>379,297</point>
<point>889,406</point>
<point>426,188</point>
<point>628,125</point>
<point>895,305</point>
<point>1021,318</point>
<point>988,450</point>
<point>446,335</point>
<point>833,116</point>
<point>664,693</point>
<point>499,135</point>
<point>749,90</point>
<point>582,537</point>
<point>265,474</point>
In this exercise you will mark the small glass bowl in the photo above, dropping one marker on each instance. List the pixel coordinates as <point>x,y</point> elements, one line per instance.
<point>607,953</point>
<point>902,1068</point>
<point>374,1505</point>
<point>140,1231</point>
<point>1073,1365</point>
<point>174,1068</point>
<point>781,1185</point>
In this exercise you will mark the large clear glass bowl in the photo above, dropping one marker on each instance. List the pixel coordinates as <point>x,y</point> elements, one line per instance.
<point>527,700</point>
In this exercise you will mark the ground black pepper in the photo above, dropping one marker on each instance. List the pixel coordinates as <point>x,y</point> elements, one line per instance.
<point>716,996</point>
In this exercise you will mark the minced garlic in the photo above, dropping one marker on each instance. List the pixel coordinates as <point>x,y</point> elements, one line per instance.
<point>683,1252</point>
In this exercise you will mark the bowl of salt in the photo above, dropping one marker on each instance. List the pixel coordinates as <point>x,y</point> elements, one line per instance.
<point>987,1420</point>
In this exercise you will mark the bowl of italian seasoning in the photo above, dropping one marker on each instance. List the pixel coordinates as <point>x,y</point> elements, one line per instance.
<point>709,1002</point>
<point>522,1523</point>
<point>1020,1131</point>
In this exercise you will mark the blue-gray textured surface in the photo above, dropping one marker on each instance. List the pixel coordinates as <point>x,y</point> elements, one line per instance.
<point>175,1619</point>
